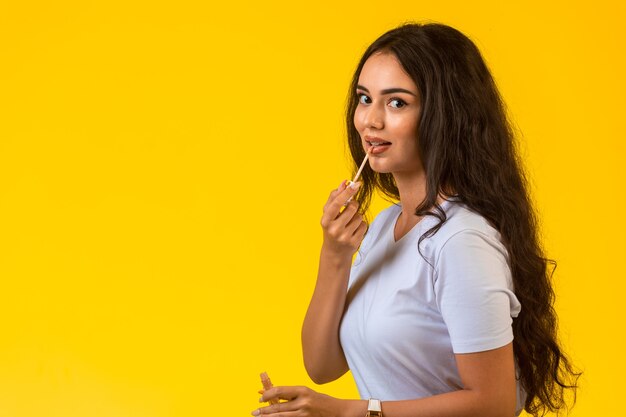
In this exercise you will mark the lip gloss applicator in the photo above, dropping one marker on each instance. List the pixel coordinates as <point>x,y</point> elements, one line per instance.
<point>358,173</point>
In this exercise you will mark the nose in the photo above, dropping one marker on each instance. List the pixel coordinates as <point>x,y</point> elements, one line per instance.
<point>374,117</point>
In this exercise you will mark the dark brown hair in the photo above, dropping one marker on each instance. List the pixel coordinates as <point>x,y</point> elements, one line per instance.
<point>468,151</point>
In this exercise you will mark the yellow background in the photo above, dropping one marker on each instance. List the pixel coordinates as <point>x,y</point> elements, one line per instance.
<point>163,167</point>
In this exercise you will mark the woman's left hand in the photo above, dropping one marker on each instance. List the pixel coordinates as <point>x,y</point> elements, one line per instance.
<point>300,402</point>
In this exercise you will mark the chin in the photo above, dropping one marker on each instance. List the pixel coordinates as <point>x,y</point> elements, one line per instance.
<point>380,170</point>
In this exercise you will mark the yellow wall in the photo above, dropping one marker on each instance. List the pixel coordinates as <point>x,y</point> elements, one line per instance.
<point>163,168</point>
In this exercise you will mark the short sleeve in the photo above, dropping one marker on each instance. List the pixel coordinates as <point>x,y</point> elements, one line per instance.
<point>374,231</point>
<point>363,247</point>
<point>474,292</point>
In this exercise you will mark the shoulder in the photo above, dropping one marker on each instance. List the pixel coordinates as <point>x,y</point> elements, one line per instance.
<point>462,229</point>
<point>472,282</point>
<point>460,218</point>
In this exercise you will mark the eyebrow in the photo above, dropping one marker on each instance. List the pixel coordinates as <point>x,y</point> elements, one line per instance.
<point>388,90</point>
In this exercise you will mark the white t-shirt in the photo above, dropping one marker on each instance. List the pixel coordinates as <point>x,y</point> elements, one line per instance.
<point>407,316</point>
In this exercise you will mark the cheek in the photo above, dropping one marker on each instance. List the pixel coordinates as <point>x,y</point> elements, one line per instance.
<point>406,125</point>
<point>357,120</point>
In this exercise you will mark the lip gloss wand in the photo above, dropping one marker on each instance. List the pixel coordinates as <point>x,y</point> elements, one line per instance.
<point>358,173</point>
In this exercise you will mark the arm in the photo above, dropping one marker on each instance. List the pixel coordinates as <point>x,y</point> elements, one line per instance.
<point>476,304</point>
<point>488,391</point>
<point>343,232</point>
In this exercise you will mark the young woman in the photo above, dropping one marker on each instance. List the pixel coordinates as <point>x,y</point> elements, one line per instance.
<point>447,310</point>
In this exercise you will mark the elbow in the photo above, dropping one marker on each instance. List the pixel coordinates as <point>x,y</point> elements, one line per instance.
<point>323,363</point>
<point>317,375</point>
<point>323,375</point>
<point>490,402</point>
<point>498,406</point>
<point>508,405</point>
<point>319,379</point>
<point>502,412</point>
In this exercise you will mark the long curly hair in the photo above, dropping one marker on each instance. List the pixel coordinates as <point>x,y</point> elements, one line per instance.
<point>468,150</point>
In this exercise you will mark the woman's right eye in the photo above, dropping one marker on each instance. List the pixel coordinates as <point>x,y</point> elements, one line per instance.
<point>362,97</point>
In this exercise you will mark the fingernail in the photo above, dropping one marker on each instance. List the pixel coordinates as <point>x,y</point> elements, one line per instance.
<point>261,400</point>
<point>354,185</point>
<point>256,413</point>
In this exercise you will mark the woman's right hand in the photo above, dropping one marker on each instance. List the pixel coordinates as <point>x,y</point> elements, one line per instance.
<point>343,230</point>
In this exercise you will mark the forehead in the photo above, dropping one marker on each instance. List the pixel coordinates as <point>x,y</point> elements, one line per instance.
<point>383,70</point>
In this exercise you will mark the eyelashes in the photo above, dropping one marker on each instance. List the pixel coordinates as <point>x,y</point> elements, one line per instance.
<point>360,97</point>
<point>400,103</point>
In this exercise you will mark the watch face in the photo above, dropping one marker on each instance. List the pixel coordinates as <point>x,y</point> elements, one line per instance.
<point>373,407</point>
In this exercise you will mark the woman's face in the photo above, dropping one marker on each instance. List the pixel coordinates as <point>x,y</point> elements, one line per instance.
<point>387,114</point>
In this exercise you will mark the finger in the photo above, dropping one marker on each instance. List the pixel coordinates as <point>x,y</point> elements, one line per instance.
<point>281,408</point>
<point>346,221</point>
<point>348,212</point>
<point>344,184</point>
<point>336,191</point>
<point>354,224</point>
<point>338,205</point>
<point>336,225</point>
<point>360,232</point>
<point>343,198</point>
<point>359,235</point>
<point>352,185</point>
<point>296,413</point>
<point>335,204</point>
<point>281,393</point>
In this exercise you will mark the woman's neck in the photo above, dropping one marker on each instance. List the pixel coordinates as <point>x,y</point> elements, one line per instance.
<point>412,190</point>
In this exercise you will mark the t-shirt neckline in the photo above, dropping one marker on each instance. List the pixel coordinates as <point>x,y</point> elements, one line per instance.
<point>416,226</point>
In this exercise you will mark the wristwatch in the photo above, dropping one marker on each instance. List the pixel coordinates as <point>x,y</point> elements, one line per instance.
<point>374,408</point>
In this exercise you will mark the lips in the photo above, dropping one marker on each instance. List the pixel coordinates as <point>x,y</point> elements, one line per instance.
<point>376,145</point>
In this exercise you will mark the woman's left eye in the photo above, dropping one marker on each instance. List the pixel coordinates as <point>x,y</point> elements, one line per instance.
<point>400,103</point>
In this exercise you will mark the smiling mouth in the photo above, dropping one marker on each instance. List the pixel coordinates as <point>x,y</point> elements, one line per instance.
<point>377,147</point>
<point>377,142</point>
